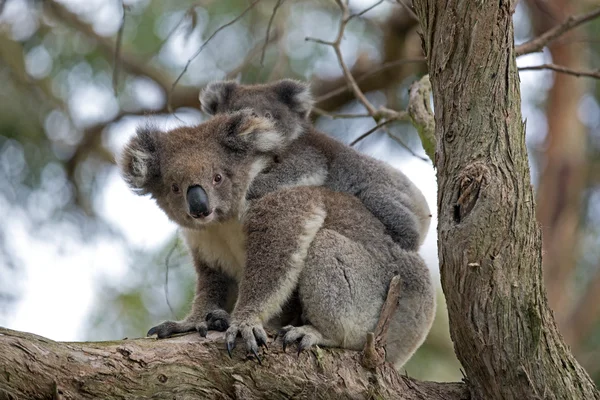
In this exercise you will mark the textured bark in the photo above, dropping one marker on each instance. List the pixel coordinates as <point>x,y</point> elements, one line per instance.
<point>490,243</point>
<point>186,367</point>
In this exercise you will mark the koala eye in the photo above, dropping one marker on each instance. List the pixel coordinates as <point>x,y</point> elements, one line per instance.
<point>217,179</point>
<point>268,115</point>
<point>175,188</point>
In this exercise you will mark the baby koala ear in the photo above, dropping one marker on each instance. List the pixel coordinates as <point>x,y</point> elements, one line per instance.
<point>246,130</point>
<point>215,96</point>
<point>139,162</point>
<point>296,95</point>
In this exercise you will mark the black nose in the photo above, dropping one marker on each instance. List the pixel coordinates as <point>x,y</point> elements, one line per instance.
<point>197,202</point>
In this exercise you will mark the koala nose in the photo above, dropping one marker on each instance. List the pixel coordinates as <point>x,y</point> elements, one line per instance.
<point>197,202</point>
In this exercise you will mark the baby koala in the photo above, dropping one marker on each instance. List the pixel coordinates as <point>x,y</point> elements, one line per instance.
<point>310,245</point>
<point>314,158</point>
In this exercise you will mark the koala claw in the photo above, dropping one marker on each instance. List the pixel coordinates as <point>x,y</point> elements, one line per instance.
<point>253,335</point>
<point>230,347</point>
<point>257,357</point>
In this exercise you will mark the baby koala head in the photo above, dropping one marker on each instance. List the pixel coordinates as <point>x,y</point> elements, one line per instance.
<point>287,102</point>
<point>200,175</point>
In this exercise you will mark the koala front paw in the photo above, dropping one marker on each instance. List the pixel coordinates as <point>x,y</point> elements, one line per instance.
<point>170,328</point>
<point>217,320</point>
<point>252,333</point>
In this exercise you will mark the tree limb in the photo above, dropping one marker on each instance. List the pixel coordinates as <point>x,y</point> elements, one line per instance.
<point>189,366</point>
<point>563,70</point>
<point>538,43</point>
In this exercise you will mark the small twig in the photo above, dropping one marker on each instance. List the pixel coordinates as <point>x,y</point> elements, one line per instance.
<point>197,53</point>
<point>563,70</point>
<point>370,131</point>
<point>167,267</point>
<point>117,58</point>
<point>264,49</point>
<point>404,145</point>
<point>373,353</point>
<point>366,10</point>
<point>538,43</point>
<point>249,57</point>
<point>324,113</point>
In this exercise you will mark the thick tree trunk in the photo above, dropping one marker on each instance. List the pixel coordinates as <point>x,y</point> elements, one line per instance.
<point>189,367</point>
<point>490,243</point>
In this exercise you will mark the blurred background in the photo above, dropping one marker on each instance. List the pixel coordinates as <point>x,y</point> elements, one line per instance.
<point>83,258</point>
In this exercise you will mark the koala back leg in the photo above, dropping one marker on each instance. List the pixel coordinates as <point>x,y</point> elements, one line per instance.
<point>341,298</point>
<point>416,308</point>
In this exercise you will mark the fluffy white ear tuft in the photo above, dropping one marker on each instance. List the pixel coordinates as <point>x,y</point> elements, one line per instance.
<point>139,162</point>
<point>216,95</point>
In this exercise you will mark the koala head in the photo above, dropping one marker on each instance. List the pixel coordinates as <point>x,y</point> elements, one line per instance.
<point>199,175</point>
<point>287,102</point>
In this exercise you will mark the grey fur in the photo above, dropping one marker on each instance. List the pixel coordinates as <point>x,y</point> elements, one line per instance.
<point>314,158</point>
<point>306,245</point>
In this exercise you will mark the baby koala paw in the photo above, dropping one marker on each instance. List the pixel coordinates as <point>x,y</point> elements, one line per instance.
<point>253,334</point>
<point>170,328</point>
<point>216,320</point>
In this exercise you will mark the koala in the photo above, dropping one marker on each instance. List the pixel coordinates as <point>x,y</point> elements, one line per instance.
<point>303,248</point>
<point>314,158</point>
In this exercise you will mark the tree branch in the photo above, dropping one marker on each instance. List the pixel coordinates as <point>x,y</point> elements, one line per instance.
<point>563,70</point>
<point>192,367</point>
<point>538,43</point>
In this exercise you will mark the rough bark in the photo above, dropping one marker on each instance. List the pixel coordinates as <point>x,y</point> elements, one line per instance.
<point>490,243</point>
<point>186,367</point>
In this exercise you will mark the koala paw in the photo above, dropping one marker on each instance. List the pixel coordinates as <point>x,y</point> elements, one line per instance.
<point>307,336</point>
<point>253,334</point>
<point>217,320</point>
<point>170,328</point>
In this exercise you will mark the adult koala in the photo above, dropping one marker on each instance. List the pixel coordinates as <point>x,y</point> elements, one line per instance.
<point>314,158</point>
<point>320,246</point>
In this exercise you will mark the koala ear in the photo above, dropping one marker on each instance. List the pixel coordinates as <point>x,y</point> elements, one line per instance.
<point>245,130</point>
<point>216,95</point>
<point>295,94</point>
<point>139,163</point>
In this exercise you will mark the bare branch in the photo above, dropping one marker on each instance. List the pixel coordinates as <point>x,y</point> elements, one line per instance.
<point>115,80</point>
<point>404,145</point>
<point>366,10</point>
<point>324,113</point>
<point>167,267</point>
<point>197,53</point>
<point>361,78</point>
<point>538,43</point>
<point>373,354</point>
<point>129,62</point>
<point>370,131</point>
<point>250,56</point>
<point>563,70</point>
<point>264,49</point>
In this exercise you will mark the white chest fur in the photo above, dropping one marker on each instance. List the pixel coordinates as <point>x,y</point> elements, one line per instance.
<point>221,246</point>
